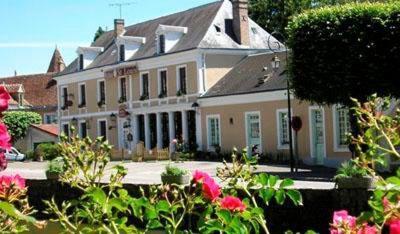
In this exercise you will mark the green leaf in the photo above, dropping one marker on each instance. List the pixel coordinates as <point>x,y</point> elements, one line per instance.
<point>272,180</point>
<point>295,196</point>
<point>310,232</point>
<point>117,203</point>
<point>224,215</point>
<point>151,213</point>
<point>262,179</point>
<point>286,183</point>
<point>280,197</point>
<point>10,210</point>
<point>154,224</point>
<point>267,194</point>
<point>162,206</point>
<point>97,194</point>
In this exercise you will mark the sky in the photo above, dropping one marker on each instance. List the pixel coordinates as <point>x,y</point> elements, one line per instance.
<point>31,29</point>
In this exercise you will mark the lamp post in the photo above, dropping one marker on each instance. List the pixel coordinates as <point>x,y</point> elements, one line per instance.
<point>275,63</point>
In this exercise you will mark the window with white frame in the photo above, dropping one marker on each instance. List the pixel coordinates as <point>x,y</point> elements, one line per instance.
<point>122,90</point>
<point>101,91</point>
<point>82,95</point>
<point>50,118</point>
<point>144,86</point>
<point>102,129</point>
<point>342,127</point>
<point>82,129</point>
<point>283,128</point>
<point>65,129</point>
<point>81,62</point>
<point>182,80</point>
<point>214,134</point>
<point>65,97</point>
<point>121,52</point>
<point>162,82</point>
<point>161,44</point>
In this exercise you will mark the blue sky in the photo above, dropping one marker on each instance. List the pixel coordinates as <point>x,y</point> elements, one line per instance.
<point>30,29</point>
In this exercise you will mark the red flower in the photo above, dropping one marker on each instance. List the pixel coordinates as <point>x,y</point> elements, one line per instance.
<point>3,162</point>
<point>4,98</point>
<point>5,137</point>
<point>232,204</point>
<point>11,185</point>
<point>342,221</point>
<point>366,229</point>
<point>211,190</point>
<point>394,227</point>
<point>199,176</point>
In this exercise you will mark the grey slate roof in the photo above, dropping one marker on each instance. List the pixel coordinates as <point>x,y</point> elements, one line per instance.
<point>245,77</point>
<point>201,33</point>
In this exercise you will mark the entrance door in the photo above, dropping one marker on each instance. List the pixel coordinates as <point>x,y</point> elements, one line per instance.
<point>317,136</point>
<point>124,129</point>
<point>253,129</point>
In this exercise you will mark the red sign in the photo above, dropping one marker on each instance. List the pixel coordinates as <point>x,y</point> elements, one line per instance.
<point>296,123</point>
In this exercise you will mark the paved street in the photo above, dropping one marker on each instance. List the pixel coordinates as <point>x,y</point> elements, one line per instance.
<point>149,172</point>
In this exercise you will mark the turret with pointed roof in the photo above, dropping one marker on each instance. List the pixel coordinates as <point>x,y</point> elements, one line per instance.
<point>56,63</point>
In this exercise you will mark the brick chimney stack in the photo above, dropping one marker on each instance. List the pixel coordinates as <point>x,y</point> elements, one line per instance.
<point>119,27</point>
<point>241,21</point>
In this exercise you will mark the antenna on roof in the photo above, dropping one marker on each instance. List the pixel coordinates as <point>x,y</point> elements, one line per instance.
<point>120,5</point>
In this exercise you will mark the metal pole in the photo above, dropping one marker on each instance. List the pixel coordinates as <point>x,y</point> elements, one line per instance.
<point>290,126</point>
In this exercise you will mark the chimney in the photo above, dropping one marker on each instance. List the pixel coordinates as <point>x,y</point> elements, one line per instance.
<point>119,27</point>
<point>241,21</point>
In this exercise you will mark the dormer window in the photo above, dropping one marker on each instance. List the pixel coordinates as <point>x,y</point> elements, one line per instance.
<point>121,52</point>
<point>161,44</point>
<point>217,28</point>
<point>81,62</point>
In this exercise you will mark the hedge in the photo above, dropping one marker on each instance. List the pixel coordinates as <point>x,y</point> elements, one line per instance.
<point>345,51</point>
<point>18,122</point>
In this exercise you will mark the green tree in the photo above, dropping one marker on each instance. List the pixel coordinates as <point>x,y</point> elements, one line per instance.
<point>98,33</point>
<point>18,122</point>
<point>274,15</point>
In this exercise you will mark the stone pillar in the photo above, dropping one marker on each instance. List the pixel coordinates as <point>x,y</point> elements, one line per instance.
<point>185,132</point>
<point>147,131</point>
<point>199,136</point>
<point>171,126</point>
<point>159,131</point>
<point>135,120</point>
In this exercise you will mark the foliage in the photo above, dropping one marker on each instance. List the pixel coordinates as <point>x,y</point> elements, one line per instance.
<point>56,165</point>
<point>98,33</point>
<point>352,48</point>
<point>351,169</point>
<point>174,171</point>
<point>47,151</point>
<point>18,122</point>
<point>30,154</point>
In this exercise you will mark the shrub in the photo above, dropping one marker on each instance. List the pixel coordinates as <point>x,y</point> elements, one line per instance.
<point>174,171</point>
<point>18,122</point>
<point>48,151</point>
<point>56,165</point>
<point>30,155</point>
<point>345,51</point>
<point>351,169</point>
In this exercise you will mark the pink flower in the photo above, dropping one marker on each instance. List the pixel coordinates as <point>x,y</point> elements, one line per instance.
<point>3,162</point>
<point>4,98</point>
<point>386,203</point>
<point>232,204</point>
<point>5,137</point>
<point>366,229</point>
<point>211,190</point>
<point>342,217</point>
<point>199,176</point>
<point>10,185</point>
<point>394,227</point>
<point>174,141</point>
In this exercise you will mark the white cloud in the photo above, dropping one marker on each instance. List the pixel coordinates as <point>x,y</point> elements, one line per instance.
<point>42,44</point>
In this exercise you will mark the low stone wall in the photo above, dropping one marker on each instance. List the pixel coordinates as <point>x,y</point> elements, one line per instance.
<point>316,214</point>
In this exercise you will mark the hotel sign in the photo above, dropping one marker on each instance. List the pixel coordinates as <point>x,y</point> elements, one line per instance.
<point>125,71</point>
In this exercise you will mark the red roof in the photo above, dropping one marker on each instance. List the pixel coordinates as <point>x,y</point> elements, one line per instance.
<point>40,89</point>
<point>48,128</point>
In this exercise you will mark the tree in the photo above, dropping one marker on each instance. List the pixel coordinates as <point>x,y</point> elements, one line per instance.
<point>18,122</point>
<point>345,51</point>
<point>98,33</point>
<point>274,15</point>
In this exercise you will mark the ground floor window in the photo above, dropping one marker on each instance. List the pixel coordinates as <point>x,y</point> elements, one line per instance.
<point>213,129</point>
<point>283,128</point>
<point>102,129</point>
<point>50,118</point>
<point>342,127</point>
<point>83,129</point>
<point>65,129</point>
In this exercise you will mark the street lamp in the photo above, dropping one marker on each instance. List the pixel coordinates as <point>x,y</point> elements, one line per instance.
<point>275,63</point>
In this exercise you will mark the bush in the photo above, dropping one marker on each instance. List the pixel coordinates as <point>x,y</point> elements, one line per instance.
<point>18,122</point>
<point>30,155</point>
<point>345,51</point>
<point>48,151</point>
<point>56,165</point>
<point>174,171</point>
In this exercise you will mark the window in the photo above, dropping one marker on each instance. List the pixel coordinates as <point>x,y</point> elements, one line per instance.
<point>82,129</point>
<point>81,62</point>
<point>50,118</point>
<point>101,91</point>
<point>122,89</point>
<point>217,28</point>
<point>162,83</point>
<point>161,44</point>
<point>144,82</point>
<point>82,95</point>
<point>213,128</point>
<point>342,127</point>
<point>65,129</point>
<point>102,129</point>
<point>65,97</point>
<point>182,80</point>
<point>283,128</point>
<point>20,99</point>
<point>122,53</point>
